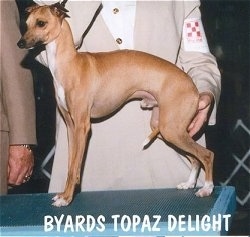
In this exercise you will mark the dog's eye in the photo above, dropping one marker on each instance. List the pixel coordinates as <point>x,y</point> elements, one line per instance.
<point>41,23</point>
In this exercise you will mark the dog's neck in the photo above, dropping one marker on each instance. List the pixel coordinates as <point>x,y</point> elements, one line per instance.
<point>60,54</point>
<point>61,50</point>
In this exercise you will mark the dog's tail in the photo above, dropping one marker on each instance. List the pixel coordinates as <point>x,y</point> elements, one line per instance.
<point>151,136</point>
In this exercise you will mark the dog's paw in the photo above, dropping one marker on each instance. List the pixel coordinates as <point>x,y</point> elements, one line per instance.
<point>186,185</point>
<point>59,201</point>
<point>205,191</point>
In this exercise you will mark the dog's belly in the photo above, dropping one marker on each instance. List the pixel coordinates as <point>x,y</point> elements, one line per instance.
<point>111,104</point>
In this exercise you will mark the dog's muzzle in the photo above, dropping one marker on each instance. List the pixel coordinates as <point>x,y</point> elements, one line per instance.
<point>24,44</point>
<point>21,43</point>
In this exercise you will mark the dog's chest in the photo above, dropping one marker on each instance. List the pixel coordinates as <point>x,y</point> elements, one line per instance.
<point>60,95</point>
<point>59,90</point>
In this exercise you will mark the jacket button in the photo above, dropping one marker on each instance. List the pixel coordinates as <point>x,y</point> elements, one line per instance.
<point>119,41</point>
<point>115,10</point>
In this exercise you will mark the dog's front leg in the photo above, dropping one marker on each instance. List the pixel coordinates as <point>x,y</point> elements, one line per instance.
<point>78,134</point>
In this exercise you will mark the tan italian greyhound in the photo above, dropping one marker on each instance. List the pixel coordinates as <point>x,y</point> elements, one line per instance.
<point>93,85</point>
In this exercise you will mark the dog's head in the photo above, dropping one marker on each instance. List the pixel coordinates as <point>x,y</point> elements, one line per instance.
<point>43,25</point>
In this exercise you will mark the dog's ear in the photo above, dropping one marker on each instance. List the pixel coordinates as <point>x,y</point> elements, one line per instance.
<point>31,8</point>
<point>59,10</point>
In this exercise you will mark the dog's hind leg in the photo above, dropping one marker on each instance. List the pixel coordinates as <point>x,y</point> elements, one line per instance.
<point>193,149</point>
<point>173,125</point>
<point>195,168</point>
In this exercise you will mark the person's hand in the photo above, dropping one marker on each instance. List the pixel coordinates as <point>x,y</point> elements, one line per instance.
<point>206,101</point>
<point>20,165</point>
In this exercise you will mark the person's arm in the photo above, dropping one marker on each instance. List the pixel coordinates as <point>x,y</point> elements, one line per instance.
<point>19,97</point>
<point>196,60</point>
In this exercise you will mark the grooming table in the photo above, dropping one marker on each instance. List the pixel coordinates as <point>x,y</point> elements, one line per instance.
<point>157,212</point>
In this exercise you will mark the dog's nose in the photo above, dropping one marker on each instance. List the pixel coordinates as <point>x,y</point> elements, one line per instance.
<point>21,43</point>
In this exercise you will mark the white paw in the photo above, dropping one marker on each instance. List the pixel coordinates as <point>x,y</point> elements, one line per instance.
<point>205,191</point>
<point>185,185</point>
<point>59,201</point>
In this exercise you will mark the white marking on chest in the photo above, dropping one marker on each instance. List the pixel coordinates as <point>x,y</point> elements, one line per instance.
<point>59,90</point>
